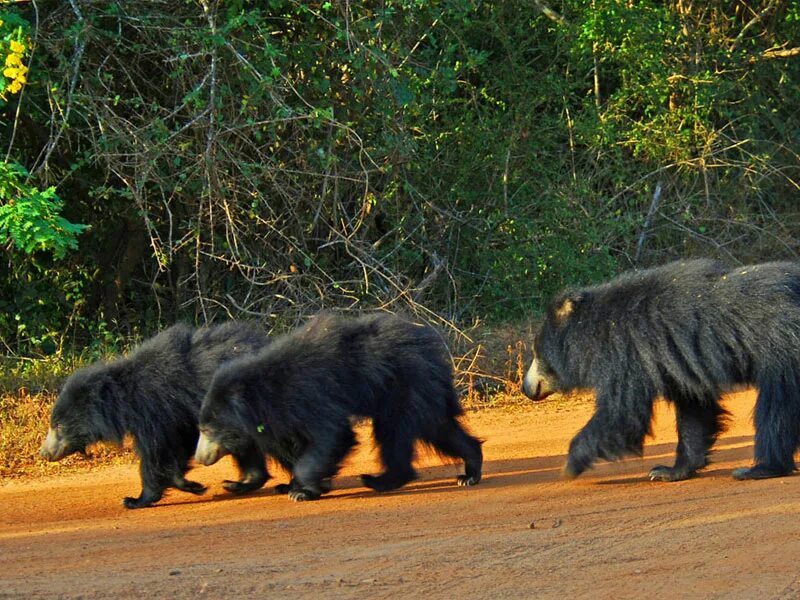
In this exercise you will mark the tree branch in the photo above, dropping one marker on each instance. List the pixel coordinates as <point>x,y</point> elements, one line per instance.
<point>780,53</point>
<point>549,12</point>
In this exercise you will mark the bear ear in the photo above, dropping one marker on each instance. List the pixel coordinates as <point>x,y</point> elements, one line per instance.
<point>566,306</point>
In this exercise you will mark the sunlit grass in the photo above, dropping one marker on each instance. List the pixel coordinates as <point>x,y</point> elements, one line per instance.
<point>24,419</point>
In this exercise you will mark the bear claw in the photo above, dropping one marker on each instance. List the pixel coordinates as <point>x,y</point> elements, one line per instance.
<point>302,495</point>
<point>325,485</point>
<point>664,473</point>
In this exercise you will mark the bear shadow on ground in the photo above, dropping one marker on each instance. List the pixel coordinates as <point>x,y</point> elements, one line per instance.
<point>513,472</point>
<point>548,469</point>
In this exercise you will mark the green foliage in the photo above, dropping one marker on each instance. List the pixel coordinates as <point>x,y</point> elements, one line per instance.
<point>31,218</point>
<point>37,293</point>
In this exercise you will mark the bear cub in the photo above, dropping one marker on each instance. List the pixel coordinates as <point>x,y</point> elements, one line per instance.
<point>296,398</point>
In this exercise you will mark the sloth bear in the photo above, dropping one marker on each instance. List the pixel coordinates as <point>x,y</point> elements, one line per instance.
<point>686,331</point>
<point>155,394</point>
<point>297,397</point>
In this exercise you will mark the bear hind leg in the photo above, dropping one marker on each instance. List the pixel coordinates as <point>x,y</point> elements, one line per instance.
<point>699,423</point>
<point>397,452</point>
<point>777,421</point>
<point>451,439</point>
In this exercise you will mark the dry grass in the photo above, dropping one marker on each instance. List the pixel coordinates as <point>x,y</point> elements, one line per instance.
<point>24,418</point>
<point>489,373</point>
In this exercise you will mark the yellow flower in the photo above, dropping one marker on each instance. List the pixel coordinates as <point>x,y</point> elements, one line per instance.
<point>16,47</point>
<point>14,87</point>
<point>10,72</point>
<point>12,60</point>
<point>1,22</point>
<point>21,79</point>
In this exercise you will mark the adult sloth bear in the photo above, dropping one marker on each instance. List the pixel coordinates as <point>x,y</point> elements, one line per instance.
<point>297,396</point>
<point>686,331</point>
<point>155,394</point>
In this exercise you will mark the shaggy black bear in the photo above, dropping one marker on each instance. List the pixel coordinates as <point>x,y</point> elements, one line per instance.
<point>296,399</point>
<point>687,332</point>
<point>155,394</point>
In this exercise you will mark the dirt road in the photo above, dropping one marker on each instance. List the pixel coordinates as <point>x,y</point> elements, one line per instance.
<point>522,533</point>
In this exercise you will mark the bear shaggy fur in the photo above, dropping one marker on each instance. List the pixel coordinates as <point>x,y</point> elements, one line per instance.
<point>687,332</point>
<point>155,394</point>
<point>296,399</point>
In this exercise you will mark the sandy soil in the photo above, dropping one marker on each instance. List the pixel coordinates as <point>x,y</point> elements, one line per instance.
<point>522,533</point>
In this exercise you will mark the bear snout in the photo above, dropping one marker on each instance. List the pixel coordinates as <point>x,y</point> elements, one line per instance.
<point>535,385</point>
<point>526,389</point>
<point>53,448</point>
<point>208,451</point>
<point>535,393</point>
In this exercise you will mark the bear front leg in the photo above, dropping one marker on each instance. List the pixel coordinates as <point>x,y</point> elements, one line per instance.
<point>312,474</point>
<point>617,428</point>
<point>253,472</point>
<point>397,452</point>
<point>583,449</point>
<point>699,422</point>
<point>152,487</point>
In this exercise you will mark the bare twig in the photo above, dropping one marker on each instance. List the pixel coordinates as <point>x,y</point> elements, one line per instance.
<point>549,12</point>
<point>80,46</point>
<point>756,19</point>
<point>780,53</point>
<point>651,212</point>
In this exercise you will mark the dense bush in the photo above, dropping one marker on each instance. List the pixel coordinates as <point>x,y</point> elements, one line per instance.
<point>460,158</point>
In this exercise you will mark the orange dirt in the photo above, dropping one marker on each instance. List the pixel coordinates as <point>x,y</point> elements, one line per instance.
<point>522,533</point>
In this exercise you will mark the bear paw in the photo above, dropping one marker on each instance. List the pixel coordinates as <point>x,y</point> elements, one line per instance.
<point>758,472</point>
<point>192,487</point>
<point>283,488</point>
<point>572,470</point>
<point>387,481</point>
<point>302,495</point>
<point>243,486</point>
<point>325,485</point>
<point>468,480</point>
<point>665,473</point>
<point>130,502</point>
